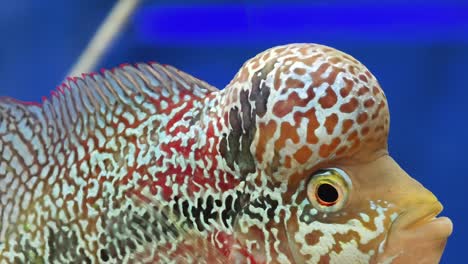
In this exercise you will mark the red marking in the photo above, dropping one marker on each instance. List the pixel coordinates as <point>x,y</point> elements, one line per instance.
<point>329,100</point>
<point>318,78</point>
<point>362,117</point>
<point>352,136</point>
<point>93,74</point>
<point>341,150</point>
<point>287,162</point>
<point>365,131</point>
<point>362,78</point>
<point>199,177</point>
<point>266,132</point>
<point>128,176</point>
<point>375,90</point>
<point>349,84</point>
<point>287,132</point>
<point>54,93</point>
<point>350,106</point>
<point>249,256</point>
<point>334,60</point>
<point>62,88</point>
<point>6,98</point>
<point>178,116</point>
<point>311,60</point>
<point>303,154</point>
<point>369,103</point>
<point>347,125</point>
<point>330,123</point>
<point>363,90</point>
<point>282,108</point>
<point>32,104</point>
<point>277,82</point>
<point>255,64</point>
<point>355,145</point>
<point>311,127</point>
<point>294,83</point>
<point>123,65</point>
<point>324,259</point>
<point>299,71</point>
<point>380,107</point>
<point>313,237</point>
<point>326,149</point>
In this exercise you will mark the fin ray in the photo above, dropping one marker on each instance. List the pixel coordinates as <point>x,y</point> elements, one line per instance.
<point>41,135</point>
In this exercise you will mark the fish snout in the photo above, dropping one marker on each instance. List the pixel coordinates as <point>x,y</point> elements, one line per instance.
<point>417,234</point>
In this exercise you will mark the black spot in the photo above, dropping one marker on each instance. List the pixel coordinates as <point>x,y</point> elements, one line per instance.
<point>148,238</point>
<point>260,91</point>
<point>113,251</point>
<point>122,247</point>
<point>63,244</point>
<point>267,206</point>
<point>235,147</point>
<point>245,158</point>
<point>102,239</point>
<point>86,258</point>
<point>200,212</point>
<point>226,214</point>
<point>139,221</point>
<point>238,202</point>
<point>131,244</point>
<point>254,214</point>
<point>104,255</point>
<point>196,117</point>
<point>196,215</point>
<point>209,213</point>
<point>233,205</point>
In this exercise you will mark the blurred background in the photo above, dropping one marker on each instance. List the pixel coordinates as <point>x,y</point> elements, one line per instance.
<point>418,51</point>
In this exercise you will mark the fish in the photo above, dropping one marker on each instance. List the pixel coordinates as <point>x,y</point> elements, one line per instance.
<point>145,163</point>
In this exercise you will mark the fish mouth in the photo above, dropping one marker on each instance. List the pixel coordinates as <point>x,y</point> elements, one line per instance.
<point>417,235</point>
<point>425,217</point>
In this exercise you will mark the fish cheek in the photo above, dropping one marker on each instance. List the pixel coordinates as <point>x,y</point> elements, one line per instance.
<point>357,231</point>
<point>259,229</point>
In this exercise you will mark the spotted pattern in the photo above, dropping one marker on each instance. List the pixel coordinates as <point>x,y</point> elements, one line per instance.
<point>148,163</point>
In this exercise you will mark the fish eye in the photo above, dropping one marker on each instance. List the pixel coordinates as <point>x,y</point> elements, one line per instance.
<point>328,189</point>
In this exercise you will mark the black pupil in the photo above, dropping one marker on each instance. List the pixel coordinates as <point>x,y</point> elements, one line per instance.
<point>327,193</point>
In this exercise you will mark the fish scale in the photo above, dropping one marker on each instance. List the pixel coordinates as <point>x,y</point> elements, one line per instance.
<point>145,163</point>
<point>104,169</point>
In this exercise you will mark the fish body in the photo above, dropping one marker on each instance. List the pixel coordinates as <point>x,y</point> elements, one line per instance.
<point>145,163</point>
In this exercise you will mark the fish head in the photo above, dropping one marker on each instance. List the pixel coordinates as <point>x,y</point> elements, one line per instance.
<point>325,188</point>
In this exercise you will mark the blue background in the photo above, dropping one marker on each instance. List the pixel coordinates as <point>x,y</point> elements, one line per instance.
<point>419,53</point>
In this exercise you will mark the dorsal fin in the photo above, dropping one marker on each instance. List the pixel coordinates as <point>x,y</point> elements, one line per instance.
<point>122,83</point>
<point>92,93</point>
<point>31,134</point>
<point>131,86</point>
